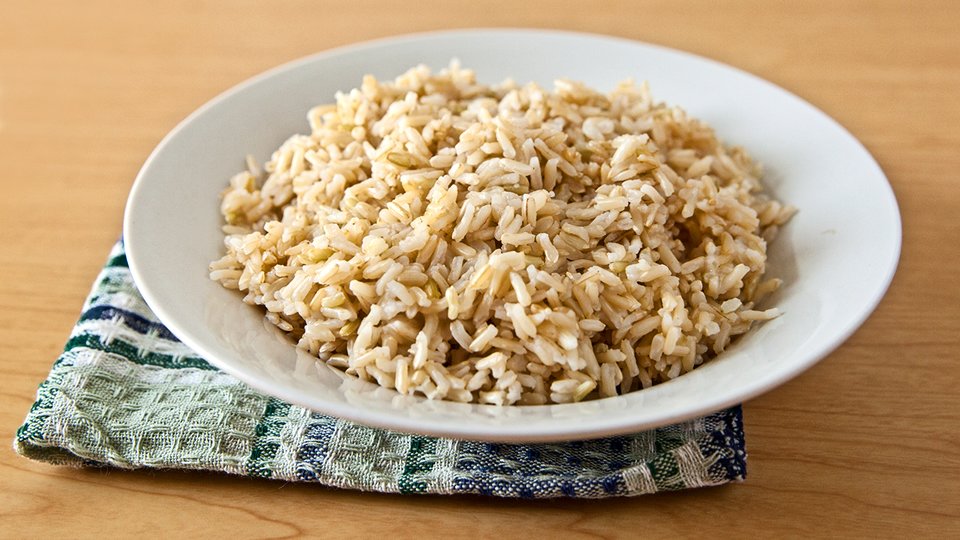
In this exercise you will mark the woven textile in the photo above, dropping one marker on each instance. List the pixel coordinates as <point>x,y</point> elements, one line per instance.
<point>126,393</point>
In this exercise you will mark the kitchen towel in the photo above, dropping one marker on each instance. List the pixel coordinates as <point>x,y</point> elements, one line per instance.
<point>126,393</point>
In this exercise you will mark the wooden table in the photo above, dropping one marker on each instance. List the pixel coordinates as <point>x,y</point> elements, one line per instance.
<point>867,443</point>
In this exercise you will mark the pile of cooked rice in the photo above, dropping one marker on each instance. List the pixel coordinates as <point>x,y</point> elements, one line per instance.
<point>503,244</point>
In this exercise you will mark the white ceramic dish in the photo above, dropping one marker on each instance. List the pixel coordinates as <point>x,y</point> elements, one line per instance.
<point>837,256</point>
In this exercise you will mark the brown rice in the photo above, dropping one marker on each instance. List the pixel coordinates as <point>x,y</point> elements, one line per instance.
<point>504,244</point>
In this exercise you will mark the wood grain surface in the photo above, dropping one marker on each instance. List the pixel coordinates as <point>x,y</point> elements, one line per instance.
<point>867,443</point>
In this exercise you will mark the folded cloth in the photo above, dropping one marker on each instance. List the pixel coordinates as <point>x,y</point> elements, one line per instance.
<point>126,393</point>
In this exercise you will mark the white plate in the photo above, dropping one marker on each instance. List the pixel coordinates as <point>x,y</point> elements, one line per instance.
<point>837,256</point>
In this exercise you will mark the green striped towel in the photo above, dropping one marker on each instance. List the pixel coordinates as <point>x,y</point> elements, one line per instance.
<point>126,393</point>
